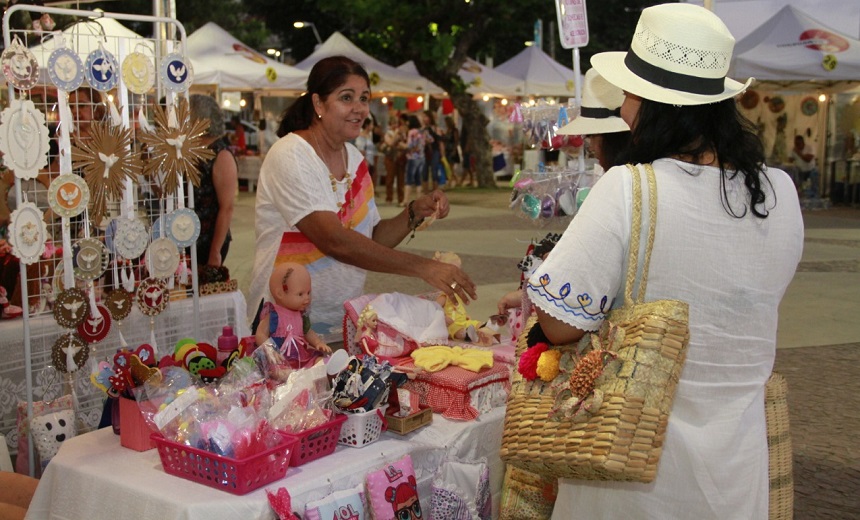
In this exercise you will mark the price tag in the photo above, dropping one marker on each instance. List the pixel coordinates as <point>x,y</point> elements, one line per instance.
<point>572,23</point>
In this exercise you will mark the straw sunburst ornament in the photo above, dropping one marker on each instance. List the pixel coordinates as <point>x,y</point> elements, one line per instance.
<point>176,147</point>
<point>106,160</point>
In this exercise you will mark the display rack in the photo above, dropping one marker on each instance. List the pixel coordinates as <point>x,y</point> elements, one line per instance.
<point>45,278</point>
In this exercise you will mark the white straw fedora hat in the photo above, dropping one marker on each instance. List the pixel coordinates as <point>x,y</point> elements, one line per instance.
<point>679,55</point>
<point>601,108</point>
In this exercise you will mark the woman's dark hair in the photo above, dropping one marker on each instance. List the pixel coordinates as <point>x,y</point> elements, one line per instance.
<point>414,122</point>
<point>612,146</point>
<point>663,130</point>
<point>325,77</point>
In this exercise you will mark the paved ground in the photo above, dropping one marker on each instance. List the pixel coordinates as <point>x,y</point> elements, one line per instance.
<point>819,330</point>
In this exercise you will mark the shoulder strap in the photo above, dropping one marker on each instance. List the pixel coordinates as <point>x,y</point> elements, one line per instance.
<point>635,231</point>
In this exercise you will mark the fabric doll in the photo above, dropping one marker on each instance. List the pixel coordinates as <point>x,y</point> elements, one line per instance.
<point>365,337</point>
<point>460,326</point>
<point>285,321</point>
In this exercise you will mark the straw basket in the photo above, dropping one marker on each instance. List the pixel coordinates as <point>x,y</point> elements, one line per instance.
<point>779,449</point>
<point>623,438</point>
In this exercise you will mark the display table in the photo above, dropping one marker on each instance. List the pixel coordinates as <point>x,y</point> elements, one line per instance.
<point>175,322</point>
<point>93,477</point>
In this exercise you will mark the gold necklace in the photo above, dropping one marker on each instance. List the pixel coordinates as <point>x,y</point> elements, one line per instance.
<point>331,175</point>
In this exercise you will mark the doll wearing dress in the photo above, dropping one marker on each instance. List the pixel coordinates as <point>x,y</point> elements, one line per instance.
<point>460,325</point>
<point>365,337</point>
<point>284,319</point>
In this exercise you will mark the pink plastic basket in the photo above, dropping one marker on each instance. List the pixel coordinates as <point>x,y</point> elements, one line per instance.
<point>233,476</point>
<point>316,442</point>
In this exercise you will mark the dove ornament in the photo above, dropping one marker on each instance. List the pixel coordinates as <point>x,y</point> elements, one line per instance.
<point>90,259</point>
<point>19,65</point>
<point>176,73</point>
<point>183,227</point>
<point>23,138</point>
<point>69,353</point>
<point>27,233</point>
<point>162,258</point>
<point>68,195</point>
<point>131,238</point>
<point>102,70</point>
<point>66,69</point>
<point>152,296</point>
<point>71,308</point>
<point>95,328</point>
<point>119,303</point>
<point>138,73</point>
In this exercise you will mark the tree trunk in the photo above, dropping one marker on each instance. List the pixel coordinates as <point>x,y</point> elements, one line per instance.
<point>477,137</point>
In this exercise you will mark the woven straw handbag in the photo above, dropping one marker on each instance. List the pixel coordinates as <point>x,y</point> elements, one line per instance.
<point>781,505</point>
<point>618,429</point>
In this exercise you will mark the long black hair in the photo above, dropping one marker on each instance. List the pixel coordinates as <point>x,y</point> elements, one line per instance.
<point>663,130</point>
<point>325,77</point>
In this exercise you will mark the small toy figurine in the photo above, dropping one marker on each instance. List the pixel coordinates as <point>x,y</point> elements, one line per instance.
<point>284,320</point>
<point>460,326</point>
<point>365,337</point>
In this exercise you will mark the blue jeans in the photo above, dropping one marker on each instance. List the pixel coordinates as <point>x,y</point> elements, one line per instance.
<point>415,171</point>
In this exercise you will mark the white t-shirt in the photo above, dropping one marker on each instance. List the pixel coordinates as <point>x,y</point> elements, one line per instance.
<point>733,273</point>
<point>797,158</point>
<point>295,182</point>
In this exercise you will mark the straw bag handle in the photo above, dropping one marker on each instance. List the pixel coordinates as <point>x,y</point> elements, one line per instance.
<point>636,229</point>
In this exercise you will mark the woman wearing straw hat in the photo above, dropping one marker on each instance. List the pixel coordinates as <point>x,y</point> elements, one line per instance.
<point>729,236</point>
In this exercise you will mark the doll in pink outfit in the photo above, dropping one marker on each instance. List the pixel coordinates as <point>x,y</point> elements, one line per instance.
<point>284,320</point>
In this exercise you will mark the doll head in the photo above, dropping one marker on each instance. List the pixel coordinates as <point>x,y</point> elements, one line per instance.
<point>448,257</point>
<point>368,319</point>
<point>290,285</point>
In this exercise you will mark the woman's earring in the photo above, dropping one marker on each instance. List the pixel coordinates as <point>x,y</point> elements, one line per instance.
<point>319,116</point>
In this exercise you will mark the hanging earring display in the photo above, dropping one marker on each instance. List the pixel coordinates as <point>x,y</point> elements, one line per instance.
<point>152,296</point>
<point>90,258</point>
<point>175,149</point>
<point>176,73</point>
<point>71,307</point>
<point>138,73</point>
<point>69,353</point>
<point>183,227</point>
<point>162,258</point>
<point>95,328</point>
<point>130,238</point>
<point>27,233</point>
<point>107,162</point>
<point>119,303</point>
<point>23,138</point>
<point>66,69</point>
<point>68,195</point>
<point>19,65</point>
<point>102,70</point>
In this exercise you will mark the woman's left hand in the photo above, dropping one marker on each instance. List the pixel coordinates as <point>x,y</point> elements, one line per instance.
<point>434,204</point>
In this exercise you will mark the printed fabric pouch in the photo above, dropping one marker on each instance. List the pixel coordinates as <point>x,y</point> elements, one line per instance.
<point>393,491</point>
<point>22,461</point>
<point>347,504</point>
<point>461,491</point>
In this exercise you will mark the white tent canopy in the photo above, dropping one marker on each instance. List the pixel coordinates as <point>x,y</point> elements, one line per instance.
<point>793,46</point>
<point>543,75</point>
<point>483,80</point>
<point>384,77</point>
<point>219,58</point>
<point>429,86</point>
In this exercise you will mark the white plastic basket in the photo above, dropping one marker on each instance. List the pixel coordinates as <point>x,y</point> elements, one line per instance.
<point>360,429</point>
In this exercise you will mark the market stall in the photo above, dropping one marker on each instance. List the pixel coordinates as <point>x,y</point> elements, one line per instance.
<point>543,76</point>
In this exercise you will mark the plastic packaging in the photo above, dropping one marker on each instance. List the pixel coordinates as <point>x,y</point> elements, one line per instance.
<point>227,343</point>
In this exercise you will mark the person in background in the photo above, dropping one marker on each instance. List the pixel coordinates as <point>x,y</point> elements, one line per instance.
<point>390,147</point>
<point>728,240</point>
<point>416,159</point>
<point>803,157</point>
<point>315,202</point>
<point>219,184</point>
<point>364,143</point>
<point>434,151</point>
<point>239,140</point>
<point>452,150</point>
<point>468,178</point>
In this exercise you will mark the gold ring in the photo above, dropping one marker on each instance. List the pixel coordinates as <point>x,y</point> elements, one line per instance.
<point>454,286</point>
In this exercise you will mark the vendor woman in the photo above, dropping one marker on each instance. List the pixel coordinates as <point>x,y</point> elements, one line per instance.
<point>315,202</point>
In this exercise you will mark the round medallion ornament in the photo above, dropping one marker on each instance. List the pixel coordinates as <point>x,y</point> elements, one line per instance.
<point>119,303</point>
<point>68,195</point>
<point>102,70</point>
<point>19,65</point>
<point>27,233</point>
<point>69,353</point>
<point>152,296</point>
<point>131,238</point>
<point>24,138</point>
<point>809,106</point>
<point>183,227</point>
<point>66,69</point>
<point>95,328</point>
<point>749,99</point>
<point>176,73</point>
<point>531,206</point>
<point>58,284</point>
<point>90,258</point>
<point>138,73</point>
<point>71,308</point>
<point>162,258</point>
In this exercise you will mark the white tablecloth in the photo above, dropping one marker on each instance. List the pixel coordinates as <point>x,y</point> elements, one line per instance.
<point>93,477</point>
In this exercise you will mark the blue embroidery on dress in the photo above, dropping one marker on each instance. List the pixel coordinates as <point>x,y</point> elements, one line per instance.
<point>584,302</point>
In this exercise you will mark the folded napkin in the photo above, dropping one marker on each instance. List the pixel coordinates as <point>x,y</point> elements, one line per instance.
<point>434,359</point>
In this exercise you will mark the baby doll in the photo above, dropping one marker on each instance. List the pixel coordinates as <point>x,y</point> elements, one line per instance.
<point>365,337</point>
<point>460,326</point>
<point>284,320</point>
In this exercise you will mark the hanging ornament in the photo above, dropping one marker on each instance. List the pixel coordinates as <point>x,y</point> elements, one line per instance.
<point>102,69</point>
<point>95,327</point>
<point>162,258</point>
<point>175,149</point>
<point>131,238</point>
<point>119,303</point>
<point>27,233</point>
<point>176,73</point>
<point>183,227</point>
<point>65,69</point>
<point>138,72</point>
<point>90,258</point>
<point>23,138</point>
<point>107,162</point>
<point>19,65</point>
<point>71,308</point>
<point>68,195</point>
<point>69,353</point>
<point>152,296</point>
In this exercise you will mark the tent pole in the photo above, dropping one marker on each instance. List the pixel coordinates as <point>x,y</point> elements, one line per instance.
<point>577,84</point>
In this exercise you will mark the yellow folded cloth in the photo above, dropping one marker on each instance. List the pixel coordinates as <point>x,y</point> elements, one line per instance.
<point>434,359</point>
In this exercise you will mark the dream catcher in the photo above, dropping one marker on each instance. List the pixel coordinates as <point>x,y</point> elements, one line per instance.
<point>176,146</point>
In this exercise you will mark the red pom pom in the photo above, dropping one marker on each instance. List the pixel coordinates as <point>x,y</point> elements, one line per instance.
<point>529,360</point>
<point>574,140</point>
